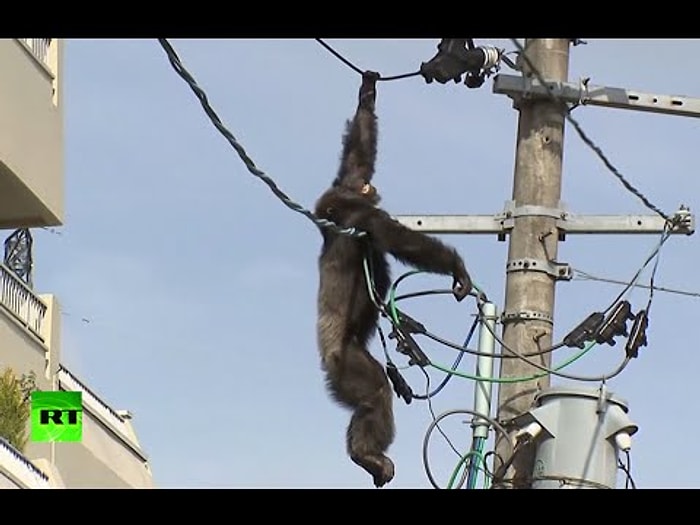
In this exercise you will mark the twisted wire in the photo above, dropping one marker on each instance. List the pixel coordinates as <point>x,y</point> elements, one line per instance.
<point>249,164</point>
<point>585,276</point>
<point>567,113</point>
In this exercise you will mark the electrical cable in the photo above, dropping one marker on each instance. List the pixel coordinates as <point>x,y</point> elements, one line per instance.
<point>665,236</point>
<point>586,139</point>
<point>432,413</point>
<point>463,347</point>
<point>486,468</point>
<point>569,480</point>
<point>249,164</point>
<point>394,315</point>
<point>652,278</point>
<point>585,276</point>
<point>463,467</point>
<point>467,461</point>
<point>435,423</point>
<point>357,69</point>
<point>497,355</point>
<point>546,371</point>
<point>447,377</point>
<point>627,469</point>
<point>505,465</point>
<point>322,223</point>
<point>555,371</point>
<point>475,467</point>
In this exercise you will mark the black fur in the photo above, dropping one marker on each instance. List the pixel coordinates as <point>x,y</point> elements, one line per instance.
<point>347,318</point>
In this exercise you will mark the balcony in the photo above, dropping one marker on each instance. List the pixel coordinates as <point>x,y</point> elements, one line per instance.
<point>17,472</point>
<point>29,329</point>
<point>109,455</point>
<point>21,302</point>
<point>31,134</point>
<point>39,47</point>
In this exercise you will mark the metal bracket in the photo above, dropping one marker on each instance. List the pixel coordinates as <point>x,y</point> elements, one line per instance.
<point>517,87</point>
<point>560,271</point>
<point>511,212</point>
<point>526,315</point>
<point>501,224</point>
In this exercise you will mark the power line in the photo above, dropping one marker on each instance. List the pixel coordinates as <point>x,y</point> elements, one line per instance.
<point>587,140</point>
<point>585,276</point>
<point>250,165</point>
<point>357,69</point>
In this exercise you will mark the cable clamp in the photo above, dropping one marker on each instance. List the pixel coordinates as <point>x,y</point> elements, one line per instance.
<point>511,212</point>
<point>583,95</point>
<point>559,271</point>
<point>526,315</point>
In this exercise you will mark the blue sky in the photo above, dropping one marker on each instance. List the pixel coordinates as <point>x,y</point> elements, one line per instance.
<point>199,285</point>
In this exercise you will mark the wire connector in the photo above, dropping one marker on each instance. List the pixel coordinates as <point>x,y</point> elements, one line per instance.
<point>638,335</point>
<point>405,344</point>
<point>401,387</point>
<point>454,59</point>
<point>615,324</point>
<point>584,332</point>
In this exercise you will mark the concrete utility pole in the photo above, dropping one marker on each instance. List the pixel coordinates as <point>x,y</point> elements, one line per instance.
<point>531,276</point>
<point>536,220</point>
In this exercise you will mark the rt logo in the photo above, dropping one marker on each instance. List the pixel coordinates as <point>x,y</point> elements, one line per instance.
<point>57,416</point>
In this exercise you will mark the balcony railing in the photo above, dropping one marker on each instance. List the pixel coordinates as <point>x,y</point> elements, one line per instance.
<point>99,408</point>
<point>20,468</point>
<point>39,47</point>
<point>21,301</point>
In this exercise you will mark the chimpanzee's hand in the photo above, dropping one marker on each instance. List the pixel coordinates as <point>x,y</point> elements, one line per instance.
<point>462,285</point>
<point>368,92</point>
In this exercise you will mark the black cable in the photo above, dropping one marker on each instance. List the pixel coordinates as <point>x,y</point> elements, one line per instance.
<point>549,371</point>
<point>586,139</point>
<point>462,348</point>
<point>500,472</point>
<point>569,480</point>
<point>426,439</point>
<point>447,378</point>
<point>339,56</point>
<point>249,164</point>
<point>627,469</point>
<point>585,276</point>
<point>653,276</point>
<point>357,69</point>
<point>665,236</point>
<point>497,355</point>
<point>484,465</point>
<point>432,414</point>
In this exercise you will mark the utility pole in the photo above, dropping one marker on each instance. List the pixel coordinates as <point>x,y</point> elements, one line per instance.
<point>536,220</point>
<point>530,283</point>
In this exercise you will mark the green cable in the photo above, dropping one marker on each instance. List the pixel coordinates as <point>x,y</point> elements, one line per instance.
<point>516,379</point>
<point>480,450</point>
<point>462,461</point>
<point>394,314</point>
<point>392,293</point>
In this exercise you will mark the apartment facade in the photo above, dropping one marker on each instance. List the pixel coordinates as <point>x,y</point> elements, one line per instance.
<point>31,196</point>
